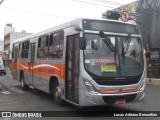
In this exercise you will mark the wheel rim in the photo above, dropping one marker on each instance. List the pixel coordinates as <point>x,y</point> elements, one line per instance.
<point>57,93</point>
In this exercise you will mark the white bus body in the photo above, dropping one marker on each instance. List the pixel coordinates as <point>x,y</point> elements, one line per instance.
<point>86,62</point>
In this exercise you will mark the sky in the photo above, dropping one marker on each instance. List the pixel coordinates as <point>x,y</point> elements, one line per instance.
<point>37,15</point>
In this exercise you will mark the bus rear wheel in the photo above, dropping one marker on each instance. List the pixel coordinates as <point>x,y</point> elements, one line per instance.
<point>57,94</point>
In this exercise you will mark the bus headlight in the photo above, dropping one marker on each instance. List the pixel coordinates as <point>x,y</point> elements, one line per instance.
<point>89,86</point>
<point>142,86</point>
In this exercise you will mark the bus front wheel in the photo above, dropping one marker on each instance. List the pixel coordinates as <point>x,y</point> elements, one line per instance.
<point>57,94</point>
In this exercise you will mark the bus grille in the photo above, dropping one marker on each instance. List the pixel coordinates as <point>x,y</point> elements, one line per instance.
<point>117,82</point>
<point>112,99</point>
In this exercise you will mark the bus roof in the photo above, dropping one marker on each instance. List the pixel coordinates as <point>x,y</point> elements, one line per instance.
<point>76,22</point>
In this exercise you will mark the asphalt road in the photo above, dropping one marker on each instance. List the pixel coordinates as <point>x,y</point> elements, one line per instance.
<point>12,98</point>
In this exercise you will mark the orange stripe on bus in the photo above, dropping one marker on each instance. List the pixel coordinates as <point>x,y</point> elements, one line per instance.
<point>42,69</point>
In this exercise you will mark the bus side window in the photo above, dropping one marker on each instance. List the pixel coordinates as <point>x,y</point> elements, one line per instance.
<point>56,45</point>
<point>20,50</point>
<point>25,49</point>
<point>42,50</point>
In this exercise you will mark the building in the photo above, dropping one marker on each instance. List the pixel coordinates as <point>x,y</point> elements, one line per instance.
<point>1,48</point>
<point>131,8</point>
<point>150,17</point>
<point>9,36</point>
<point>147,17</point>
<point>1,45</point>
<point>8,29</point>
<point>146,14</point>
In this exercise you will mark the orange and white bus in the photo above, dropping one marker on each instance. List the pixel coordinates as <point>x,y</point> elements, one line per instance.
<point>86,62</point>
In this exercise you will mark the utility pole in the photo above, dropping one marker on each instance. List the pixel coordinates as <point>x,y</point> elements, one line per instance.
<point>1,2</point>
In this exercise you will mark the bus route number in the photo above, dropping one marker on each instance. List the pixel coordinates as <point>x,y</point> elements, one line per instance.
<point>108,68</point>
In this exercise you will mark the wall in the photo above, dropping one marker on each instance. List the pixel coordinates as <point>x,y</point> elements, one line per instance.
<point>150,17</point>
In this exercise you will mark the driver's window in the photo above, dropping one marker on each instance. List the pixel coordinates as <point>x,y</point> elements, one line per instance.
<point>56,45</point>
<point>112,39</point>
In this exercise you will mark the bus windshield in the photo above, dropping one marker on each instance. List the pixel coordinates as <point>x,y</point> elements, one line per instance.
<point>125,60</point>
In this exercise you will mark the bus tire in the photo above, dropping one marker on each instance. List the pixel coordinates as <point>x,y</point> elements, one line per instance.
<point>57,94</point>
<point>22,81</point>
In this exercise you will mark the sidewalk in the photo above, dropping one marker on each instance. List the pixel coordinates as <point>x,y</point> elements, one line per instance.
<point>7,80</point>
<point>153,81</point>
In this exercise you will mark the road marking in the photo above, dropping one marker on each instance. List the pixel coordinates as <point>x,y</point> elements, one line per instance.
<point>17,90</point>
<point>5,100</point>
<point>6,92</point>
<point>3,77</point>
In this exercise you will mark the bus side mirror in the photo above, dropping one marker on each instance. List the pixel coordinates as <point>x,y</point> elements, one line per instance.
<point>82,43</point>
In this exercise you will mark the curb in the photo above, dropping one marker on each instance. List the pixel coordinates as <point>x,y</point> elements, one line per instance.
<point>153,81</point>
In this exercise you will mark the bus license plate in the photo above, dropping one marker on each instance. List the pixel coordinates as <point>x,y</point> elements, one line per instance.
<point>120,101</point>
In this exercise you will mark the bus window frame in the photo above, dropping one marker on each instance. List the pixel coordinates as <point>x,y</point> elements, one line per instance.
<point>13,50</point>
<point>22,49</point>
<point>50,44</point>
<point>46,45</point>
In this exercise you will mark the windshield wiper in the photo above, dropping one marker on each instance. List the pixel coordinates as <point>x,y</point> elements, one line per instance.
<point>107,41</point>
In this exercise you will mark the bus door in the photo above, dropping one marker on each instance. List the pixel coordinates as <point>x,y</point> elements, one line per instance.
<point>32,63</point>
<point>16,64</point>
<point>72,69</point>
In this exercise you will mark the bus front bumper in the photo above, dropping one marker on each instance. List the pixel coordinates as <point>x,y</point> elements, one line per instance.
<point>91,99</point>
